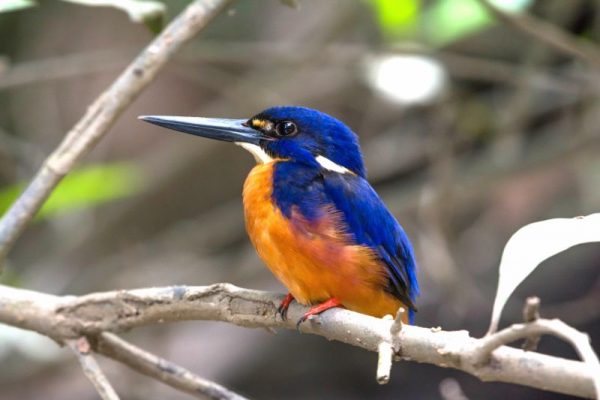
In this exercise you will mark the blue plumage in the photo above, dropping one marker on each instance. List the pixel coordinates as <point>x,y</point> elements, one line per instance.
<point>305,185</point>
<point>319,133</point>
<point>373,225</point>
<point>299,185</point>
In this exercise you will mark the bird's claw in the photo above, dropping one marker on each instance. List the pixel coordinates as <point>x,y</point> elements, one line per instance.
<point>302,319</point>
<point>318,309</point>
<point>284,305</point>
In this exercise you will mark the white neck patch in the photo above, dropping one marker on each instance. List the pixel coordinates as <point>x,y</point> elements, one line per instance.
<point>262,157</point>
<point>331,166</point>
<point>259,154</point>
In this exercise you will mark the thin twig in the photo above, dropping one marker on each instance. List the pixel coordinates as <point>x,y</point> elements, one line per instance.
<point>580,341</point>
<point>81,348</point>
<point>384,362</point>
<point>531,312</point>
<point>101,115</point>
<point>70,317</point>
<point>547,33</point>
<point>395,330</point>
<point>163,370</point>
<point>385,356</point>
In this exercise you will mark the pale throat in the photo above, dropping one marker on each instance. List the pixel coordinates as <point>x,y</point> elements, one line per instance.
<point>259,154</point>
<point>262,157</point>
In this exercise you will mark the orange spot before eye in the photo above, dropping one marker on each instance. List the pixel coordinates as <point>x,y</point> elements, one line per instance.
<point>259,123</point>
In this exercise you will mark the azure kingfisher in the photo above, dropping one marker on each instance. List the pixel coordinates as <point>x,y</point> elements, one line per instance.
<point>312,216</point>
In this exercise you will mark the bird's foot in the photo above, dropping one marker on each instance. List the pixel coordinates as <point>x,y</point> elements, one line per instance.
<point>318,309</point>
<point>284,305</point>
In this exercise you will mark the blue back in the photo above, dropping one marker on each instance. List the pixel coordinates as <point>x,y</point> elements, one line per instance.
<point>313,190</point>
<point>302,183</point>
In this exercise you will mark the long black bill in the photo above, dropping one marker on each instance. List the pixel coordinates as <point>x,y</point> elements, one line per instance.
<point>228,130</point>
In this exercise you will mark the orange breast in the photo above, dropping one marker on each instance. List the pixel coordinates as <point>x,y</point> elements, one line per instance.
<point>314,260</point>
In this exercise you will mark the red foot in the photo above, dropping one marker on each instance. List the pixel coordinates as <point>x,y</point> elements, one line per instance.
<point>319,308</point>
<point>284,305</point>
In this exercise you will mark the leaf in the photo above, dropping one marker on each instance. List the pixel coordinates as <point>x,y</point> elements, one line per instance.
<point>156,24</point>
<point>84,188</point>
<point>450,20</point>
<point>138,11</point>
<point>437,22</point>
<point>13,5</point>
<point>290,3</point>
<point>11,277</point>
<point>534,243</point>
<point>397,18</point>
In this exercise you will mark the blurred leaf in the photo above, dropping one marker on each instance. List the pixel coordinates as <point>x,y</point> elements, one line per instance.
<point>138,10</point>
<point>291,3</point>
<point>534,243</point>
<point>84,188</point>
<point>397,18</point>
<point>10,277</point>
<point>13,5</point>
<point>450,20</point>
<point>156,24</point>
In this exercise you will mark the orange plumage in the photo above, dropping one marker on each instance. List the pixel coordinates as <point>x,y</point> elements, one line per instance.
<point>314,260</point>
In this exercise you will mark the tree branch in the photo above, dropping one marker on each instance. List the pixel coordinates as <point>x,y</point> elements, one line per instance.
<point>112,346</point>
<point>81,348</point>
<point>101,115</point>
<point>531,312</point>
<point>580,341</point>
<point>70,317</point>
<point>547,33</point>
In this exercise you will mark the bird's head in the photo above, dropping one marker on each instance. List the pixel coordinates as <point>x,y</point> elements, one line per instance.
<point>290,133</point>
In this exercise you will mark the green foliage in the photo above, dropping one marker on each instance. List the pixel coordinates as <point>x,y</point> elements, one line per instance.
<point>441,23</point>
<point>450,20</point>
<point>13,5</point>
<point>10,277</point>
<point>155,24</point>
<point>84,188</point>
<point>290,3</point>
<point>397,18</point>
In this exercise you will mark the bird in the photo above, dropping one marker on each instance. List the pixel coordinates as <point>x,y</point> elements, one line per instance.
<point>311,214</point>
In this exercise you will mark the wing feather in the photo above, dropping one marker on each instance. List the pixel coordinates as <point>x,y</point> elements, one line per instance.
<point>372,224</point>
<point>311,191</point>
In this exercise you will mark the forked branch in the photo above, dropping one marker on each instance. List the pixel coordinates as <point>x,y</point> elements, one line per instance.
<point>488,358</point>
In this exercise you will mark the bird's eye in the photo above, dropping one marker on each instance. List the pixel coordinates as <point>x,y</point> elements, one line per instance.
<point>286,128</point>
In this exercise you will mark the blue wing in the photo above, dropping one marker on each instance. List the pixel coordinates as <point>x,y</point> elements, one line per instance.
<point>365,215</point>
<point>372,224</point>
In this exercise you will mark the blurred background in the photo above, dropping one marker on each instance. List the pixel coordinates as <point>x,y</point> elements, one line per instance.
<point>470,130</point>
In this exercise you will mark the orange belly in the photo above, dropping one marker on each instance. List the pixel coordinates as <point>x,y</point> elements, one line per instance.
<point>314,260</point>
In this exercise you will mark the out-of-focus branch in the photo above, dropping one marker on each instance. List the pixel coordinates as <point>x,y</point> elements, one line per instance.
<point>62,67</point>
<point>547,33</point>
<point>101,115</point>
<point>81,348</point>
<point>580,341</point>
<point>160,369</point>
<point>70,317</point>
